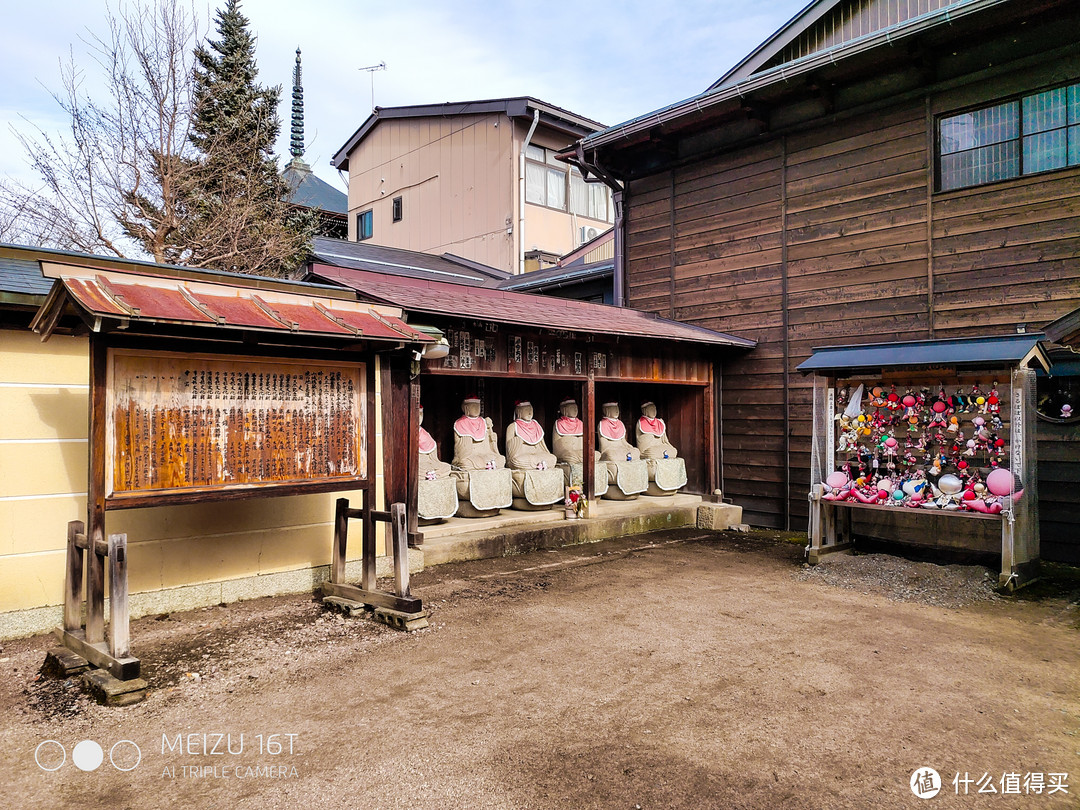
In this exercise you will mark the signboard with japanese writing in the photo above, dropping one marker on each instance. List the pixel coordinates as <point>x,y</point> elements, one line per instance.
<point>192,422</point>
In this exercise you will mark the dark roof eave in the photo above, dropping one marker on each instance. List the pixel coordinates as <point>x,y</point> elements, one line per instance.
<point>782,73</point>
<point>513,107</point>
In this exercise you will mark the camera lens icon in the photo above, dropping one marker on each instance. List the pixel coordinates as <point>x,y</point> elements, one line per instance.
<point>50,755</point>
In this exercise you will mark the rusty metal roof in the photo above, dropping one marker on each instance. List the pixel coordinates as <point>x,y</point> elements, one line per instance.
<point>502,306</point>
<point>135,298</point>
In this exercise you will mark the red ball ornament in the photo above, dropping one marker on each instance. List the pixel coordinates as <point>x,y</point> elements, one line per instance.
<point>909,401</point>
<point>999,443</point>
<point>969,495</point>
<point>962,465</point>
<point>940,407</point>
<point>993,400</point>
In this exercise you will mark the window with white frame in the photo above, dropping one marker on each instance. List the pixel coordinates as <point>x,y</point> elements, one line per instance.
<point>553,184</point>
<point>1028,134</point>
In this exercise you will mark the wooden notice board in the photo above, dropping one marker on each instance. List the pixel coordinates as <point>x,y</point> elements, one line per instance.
<point>184,424</point>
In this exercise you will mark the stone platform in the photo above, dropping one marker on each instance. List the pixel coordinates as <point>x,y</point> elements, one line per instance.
<point>513,532</point>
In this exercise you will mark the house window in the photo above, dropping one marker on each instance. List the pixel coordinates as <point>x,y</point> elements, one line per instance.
<point>1029,134</point>
<point>397,209</point>
<point>364,223</point>
<point>548,182</point>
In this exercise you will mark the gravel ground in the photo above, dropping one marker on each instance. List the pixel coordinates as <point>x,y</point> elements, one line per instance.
<point>949,586</point>
<point>682,669</point>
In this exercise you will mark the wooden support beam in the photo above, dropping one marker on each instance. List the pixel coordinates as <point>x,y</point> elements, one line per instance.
<point>412,469</point>
<point>97,653</point>
<point>95,501</point>
<point>367,543</point>
<point>341,540</point>
<point>709,408</point>
<point>371,597</point>
<point>119,632</point>
<point>588,436</point>
<point>400,539</point>
<point>73,582</point>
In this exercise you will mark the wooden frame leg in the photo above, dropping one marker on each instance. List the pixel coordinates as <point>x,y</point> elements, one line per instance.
<point>73,582</point>
<point>400,537</point>
<point>119,633</point>
<point>341,540</point>
<point>95,594</point>
<point>367,561</point>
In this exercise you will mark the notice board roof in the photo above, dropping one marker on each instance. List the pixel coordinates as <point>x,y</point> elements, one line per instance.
<point>502,306</point>
<point>980,352</point>
<point>136,300</point>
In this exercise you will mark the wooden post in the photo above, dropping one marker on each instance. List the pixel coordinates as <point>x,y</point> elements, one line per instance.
<point>588,437</point>
<point>400,536</point>
<point>95,501</point>
<point>119,634</point>
<point>367,554</point>
<point>412,468</point>
<point>341,540</point>
<point>73,584</point>
<point>710,434</point>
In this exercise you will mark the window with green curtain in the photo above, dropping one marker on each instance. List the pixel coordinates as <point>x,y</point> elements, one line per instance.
<point>1033,133</point>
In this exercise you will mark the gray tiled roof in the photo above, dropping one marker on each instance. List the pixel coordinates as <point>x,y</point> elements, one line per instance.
<point>312,192</point>
<point>23,276</point>
<point>398,262</point>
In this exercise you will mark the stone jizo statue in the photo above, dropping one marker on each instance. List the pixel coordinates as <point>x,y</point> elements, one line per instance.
<point>652,438</point>
<point>430,466</point>
<point>525,445</point>
<point>476,447</point>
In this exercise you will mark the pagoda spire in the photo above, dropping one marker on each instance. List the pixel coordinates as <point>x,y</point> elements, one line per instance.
<point>296,141</point>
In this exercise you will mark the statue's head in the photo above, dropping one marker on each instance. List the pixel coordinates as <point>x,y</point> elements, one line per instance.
<point>470,406</point>
<point>568,407</point>
<point>648,410</point>
<point>610,410</point>
<point>523,410</point>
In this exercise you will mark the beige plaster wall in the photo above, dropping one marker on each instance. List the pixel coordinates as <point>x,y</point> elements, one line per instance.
<point>261,546</point>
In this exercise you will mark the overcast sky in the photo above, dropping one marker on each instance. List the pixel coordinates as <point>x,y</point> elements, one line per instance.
<point>609,60</point>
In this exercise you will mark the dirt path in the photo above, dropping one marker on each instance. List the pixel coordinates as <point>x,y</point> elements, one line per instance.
<point>661,671</point>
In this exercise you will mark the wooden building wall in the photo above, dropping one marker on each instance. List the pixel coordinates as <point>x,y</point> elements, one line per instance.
<point>834,235</point>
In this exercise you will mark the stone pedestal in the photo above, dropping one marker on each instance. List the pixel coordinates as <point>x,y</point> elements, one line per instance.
<point>536,490</point>
<point>574,474</point>
<point>482,493</point>
<point>626,479</point>
<point>436,499</point>
<point>666,476</point>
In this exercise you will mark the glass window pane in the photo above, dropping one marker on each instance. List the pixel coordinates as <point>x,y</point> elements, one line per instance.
<point>982,165</point>
<point>1044,151</point>
<point>534,184</point>
<point>1044,111</point>
<point>1074,146</point>
<point>597,201</point>
<point>979,128</point>
<point>1074,104</point>
<point>534,152</point>
<point>579,195</point>
<point>556,189</point>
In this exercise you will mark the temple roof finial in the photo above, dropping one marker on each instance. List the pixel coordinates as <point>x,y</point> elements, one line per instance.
<point>296,141</point>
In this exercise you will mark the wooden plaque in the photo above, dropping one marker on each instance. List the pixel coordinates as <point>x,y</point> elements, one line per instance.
<point>185,423</point>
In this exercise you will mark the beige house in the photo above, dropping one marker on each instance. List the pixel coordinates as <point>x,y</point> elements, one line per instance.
<point>475,179</point>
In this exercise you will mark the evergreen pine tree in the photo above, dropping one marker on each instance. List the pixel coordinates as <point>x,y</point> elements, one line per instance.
<point>238,217</point>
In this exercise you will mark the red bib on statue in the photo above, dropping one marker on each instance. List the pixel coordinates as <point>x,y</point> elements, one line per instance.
<point>472,427</point>
<point>529,431</point>
<point>427,444</point>
<point>568,426</point>
<point>654,426</point>
<point>612,429</point>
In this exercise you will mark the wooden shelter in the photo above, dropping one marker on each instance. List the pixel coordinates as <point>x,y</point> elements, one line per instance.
<point>888,455</point>
<point>506,346</point>
<point>206,387</point>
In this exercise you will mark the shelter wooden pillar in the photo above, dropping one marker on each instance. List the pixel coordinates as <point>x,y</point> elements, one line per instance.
<point>709,429</point>
<point>95,497</point>
<point>588,436</point>
<point>401,430</point>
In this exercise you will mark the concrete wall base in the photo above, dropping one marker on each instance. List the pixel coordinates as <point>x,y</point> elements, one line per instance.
<point>20,623</point>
